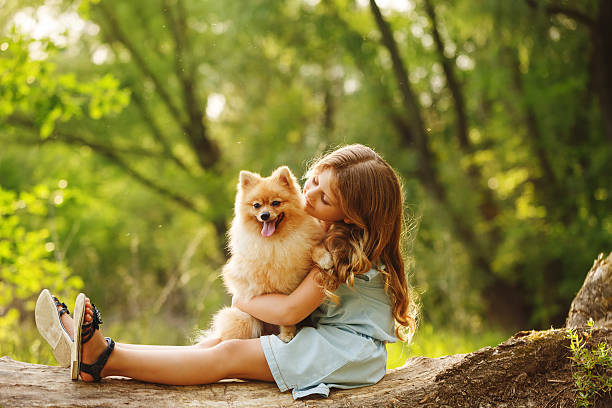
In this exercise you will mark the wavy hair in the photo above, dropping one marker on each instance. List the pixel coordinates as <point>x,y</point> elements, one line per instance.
<point>370,196</point>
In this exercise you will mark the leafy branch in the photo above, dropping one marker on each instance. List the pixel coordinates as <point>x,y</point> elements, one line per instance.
<point>489,207</point>
<point>428,173</point>
<point>206,149</point>
<point>554,9</point>
<point>110,153</point>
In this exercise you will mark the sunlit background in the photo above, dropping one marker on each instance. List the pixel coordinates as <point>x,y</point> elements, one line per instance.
<point>123,126</point>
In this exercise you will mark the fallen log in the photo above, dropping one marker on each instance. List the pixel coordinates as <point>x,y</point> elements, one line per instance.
<point>531,369</point>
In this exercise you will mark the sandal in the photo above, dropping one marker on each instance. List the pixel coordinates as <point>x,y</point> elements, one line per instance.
<point>83,333</point>
<point>50,327</point>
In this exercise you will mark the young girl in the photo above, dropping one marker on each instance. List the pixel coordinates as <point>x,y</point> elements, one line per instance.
<point>354,308</point>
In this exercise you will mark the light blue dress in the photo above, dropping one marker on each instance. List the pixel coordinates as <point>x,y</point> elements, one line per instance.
<point>344,348</point>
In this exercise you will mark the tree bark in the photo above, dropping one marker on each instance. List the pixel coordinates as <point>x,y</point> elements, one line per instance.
<point>594,300</point>
<point>531,369</point>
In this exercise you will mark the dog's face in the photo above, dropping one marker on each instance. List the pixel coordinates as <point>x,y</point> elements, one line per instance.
<point>269,205</point>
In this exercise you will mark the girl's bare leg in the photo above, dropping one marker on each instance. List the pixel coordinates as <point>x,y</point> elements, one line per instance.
<point>180,365</point>
<point>68,326</point>
<point>203,344</point>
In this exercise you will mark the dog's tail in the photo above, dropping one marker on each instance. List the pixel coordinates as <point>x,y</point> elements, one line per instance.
<point>232,323</point>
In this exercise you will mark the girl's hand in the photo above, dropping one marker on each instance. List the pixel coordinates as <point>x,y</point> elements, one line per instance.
<point>285,310</point>
<point>322,257</point>
<point>237,302</point>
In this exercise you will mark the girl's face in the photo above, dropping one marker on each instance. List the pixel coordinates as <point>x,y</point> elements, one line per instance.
<point>322,201</point>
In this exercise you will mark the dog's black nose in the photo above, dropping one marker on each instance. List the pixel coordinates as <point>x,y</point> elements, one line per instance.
<point>264,216</point>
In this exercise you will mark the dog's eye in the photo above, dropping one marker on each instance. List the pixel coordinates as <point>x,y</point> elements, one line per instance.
<point>275,203</point>
<point>256,205</point>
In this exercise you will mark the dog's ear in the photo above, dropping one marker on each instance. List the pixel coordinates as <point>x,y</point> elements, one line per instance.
<point>285,177</point>
<point>248,179</point>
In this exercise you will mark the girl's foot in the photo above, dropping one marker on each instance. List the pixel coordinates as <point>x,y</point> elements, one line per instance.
<point>54,325</point>
<point>95,349</point>
<point>66,320</point>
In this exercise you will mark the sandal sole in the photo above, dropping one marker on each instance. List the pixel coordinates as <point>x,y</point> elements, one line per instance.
<point>51,329</point>
<point>79,316</point>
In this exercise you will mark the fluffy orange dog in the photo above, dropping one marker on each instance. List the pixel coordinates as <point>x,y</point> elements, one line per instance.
<point>271,242</point>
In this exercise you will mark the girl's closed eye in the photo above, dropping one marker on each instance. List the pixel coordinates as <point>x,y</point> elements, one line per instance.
<point>323,200</point>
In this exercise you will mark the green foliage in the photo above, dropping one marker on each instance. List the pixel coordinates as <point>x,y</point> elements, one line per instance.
<point>592,366</point>
<point>27,265</point>
<point>115,104</point>
<point>33,88</point>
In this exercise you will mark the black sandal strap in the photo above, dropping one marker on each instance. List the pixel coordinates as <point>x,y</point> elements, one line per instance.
<point>88,329</point>
<point>64,308</point>
<point>87,335</point>
<point>96,368</point>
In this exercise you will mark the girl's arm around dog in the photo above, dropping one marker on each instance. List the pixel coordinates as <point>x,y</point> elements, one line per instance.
<point>285,310</point>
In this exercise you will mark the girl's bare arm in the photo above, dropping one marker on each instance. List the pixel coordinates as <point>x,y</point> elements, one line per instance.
<point>285,310</point>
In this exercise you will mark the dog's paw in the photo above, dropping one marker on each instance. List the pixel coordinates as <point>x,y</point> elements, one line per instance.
<point>287,333</point>
<point>286,337</point>
<point>322,257</point>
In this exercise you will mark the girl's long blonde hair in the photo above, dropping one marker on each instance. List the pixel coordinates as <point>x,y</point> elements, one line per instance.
<point>370,195</point>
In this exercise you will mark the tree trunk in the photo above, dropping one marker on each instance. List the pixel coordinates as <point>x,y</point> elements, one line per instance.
<point>594,300</point>
<point>531,369</point>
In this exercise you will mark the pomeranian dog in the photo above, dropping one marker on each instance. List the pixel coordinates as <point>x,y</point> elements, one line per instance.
<point>271,242</point>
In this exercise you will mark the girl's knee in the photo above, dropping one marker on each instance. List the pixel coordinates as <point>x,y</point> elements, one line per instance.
<point>230,347</point>
<point>241,348</point>
<point>244,359</point>
<point>207,343</point>
<point>229,351</point>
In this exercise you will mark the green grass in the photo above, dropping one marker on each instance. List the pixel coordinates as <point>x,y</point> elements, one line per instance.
<point>592,366</point>
<point>437,342</point>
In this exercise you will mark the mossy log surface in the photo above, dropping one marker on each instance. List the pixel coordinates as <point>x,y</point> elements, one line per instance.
<point>531,369</point>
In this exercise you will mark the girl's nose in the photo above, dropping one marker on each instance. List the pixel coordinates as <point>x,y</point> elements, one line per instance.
<point>309,194</point>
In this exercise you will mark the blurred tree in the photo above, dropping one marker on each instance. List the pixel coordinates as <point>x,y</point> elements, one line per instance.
<point>496,114</point>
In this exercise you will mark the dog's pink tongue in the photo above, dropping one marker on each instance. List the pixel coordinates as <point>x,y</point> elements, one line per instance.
<point>268,228</point>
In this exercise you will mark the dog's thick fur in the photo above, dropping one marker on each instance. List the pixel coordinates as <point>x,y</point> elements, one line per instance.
<point>266,257</point>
